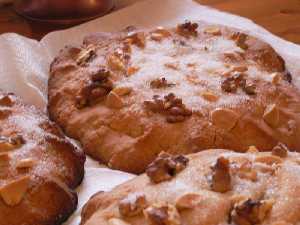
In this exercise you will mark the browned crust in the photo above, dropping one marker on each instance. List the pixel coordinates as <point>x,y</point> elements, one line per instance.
<point>214,207</point>
<point>58,167</point>
<point>119,149</point>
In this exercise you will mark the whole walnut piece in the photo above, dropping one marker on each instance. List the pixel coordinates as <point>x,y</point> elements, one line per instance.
<point>162,215</point>
<point>132,205</point>
<point>251,212</point>
<point>187,29</point>
<point>165,167</point>
<point>221,179</point>
<point>170,106</point>
<point>238,80</point>
<point>98,87</point>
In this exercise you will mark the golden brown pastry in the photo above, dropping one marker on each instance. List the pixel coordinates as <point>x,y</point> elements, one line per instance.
<point>128,96</point>
<point>39,167</point>
<point>211,187</point>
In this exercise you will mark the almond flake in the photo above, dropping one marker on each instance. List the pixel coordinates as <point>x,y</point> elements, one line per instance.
<point>114,101</point>
<point>188,201</point>
<point>213,30</point>
<point>13,192</point>
<point>210,96</point>
<point>224,118</point>
<point>25,163</point>
<point>122,91</point>
<point>252,149</point>
<point>271,115</point>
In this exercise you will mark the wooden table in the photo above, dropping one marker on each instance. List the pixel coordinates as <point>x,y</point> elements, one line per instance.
<point>281,17</point>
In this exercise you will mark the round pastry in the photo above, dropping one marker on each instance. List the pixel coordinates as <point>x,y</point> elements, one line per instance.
<point>39,167</point>
<point>128,96</point>
<point>210,187</point>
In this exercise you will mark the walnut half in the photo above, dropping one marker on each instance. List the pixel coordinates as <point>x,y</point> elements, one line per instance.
<point>251,212</point>
<point>165,167</point>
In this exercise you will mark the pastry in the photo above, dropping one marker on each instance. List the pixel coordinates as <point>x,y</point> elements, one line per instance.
<point>128,96</point>
<point>39,167</point>
<point>210,187</point>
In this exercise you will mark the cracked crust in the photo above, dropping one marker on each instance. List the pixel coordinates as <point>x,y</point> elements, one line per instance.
<point>39,167</point>
<point>129,136</point>
<point>276,182</point>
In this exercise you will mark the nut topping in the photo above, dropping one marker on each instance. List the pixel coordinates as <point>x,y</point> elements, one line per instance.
<point>159,34</point>
<point>160,83</point>
<point>25,163</point>
<point>166,166</point>
<point>132,205</point>
<point>252,149</point>
<point>6,100</point>
<point>251,212</point>
<point>224,118</point>
<point>122,90</point>
<point>231,84</point>
<point>276,77</point>
<point>187,29</point>
<point>250,89</point>
<point>116,63</point>
<point>171,106</point>
<point>114,101</point>
<point>132,70</point>
<point>188,201</point>
<point>162,215</point>
<point>268,159</point>
<point>7,144</point>
<point>213,30</point>
<point>85,56</point>
<point>280,150</point>
<point>240,40</point>
<point>116,221</point>
<point>271,115</point>
<point>221,180</point>
<point>95,90</point>
<point>13,192</point>
<point>137,38</point>
<point>210,96</point>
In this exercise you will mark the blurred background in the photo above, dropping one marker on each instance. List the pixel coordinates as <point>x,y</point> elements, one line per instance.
<point>280,17</point>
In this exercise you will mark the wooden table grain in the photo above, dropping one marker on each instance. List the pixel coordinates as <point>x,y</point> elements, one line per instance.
<point>281,17</point>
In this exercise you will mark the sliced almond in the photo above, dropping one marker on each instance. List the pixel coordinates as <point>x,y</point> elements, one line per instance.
<point>122,90</point>
<point>210,96</point>
<point>268,159</point>
<point>116,221</point>
<point>224,118</point>
<point>115,63</point>
<point>213,30</point>
<point>159,34</point>
<point>114,101</point>
<point>271,115</point>
<point>276,78</point>
<point>13,192</point>
<point>25,163</point>
<point>252,149</point>
<point>132,70</point>
<point>85,55</point>
<point>6,146</point>
<point>188,201</point>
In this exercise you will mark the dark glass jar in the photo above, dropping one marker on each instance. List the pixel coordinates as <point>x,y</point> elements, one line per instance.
<point>63,11</point>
